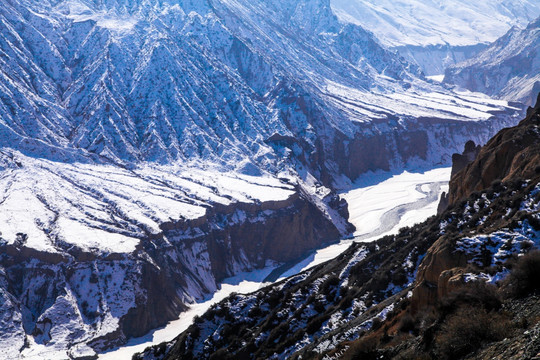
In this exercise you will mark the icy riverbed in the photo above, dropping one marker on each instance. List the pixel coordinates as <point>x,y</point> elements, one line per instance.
<point>376,210</point>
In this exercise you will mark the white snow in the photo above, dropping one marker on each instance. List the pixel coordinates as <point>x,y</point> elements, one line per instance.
<point>111,20</point>
<point>431,22</point>
<point>416,102</point>
<point>110,208</point>
<point>501,244</point>
<point>368,204</point>
<point>437,78</point>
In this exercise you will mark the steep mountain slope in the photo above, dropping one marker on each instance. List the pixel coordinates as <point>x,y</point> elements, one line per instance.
<point>507,69</point>
<point>513,153</point>
<point>437,34</point>
<point>361,304</point>
<point>151,148</point>
<point>226,82</point>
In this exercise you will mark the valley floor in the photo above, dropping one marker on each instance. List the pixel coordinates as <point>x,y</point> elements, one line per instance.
<point>375,210</point>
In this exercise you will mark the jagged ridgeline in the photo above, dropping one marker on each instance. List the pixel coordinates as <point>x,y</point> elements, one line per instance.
<point>508,69</point>
<point>463,284</point>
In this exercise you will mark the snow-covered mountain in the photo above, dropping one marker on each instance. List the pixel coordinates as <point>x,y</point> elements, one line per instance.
<point>507,69</point>
<point>151,148</point>
<point>436,34</point>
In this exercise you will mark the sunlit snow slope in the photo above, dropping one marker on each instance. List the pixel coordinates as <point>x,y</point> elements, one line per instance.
<point>508,69</point>
<point>245,84</point>
<point>436,34</point>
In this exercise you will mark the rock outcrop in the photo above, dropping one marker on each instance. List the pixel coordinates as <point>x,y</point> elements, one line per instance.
<point>459,162</point>
<point>513,153</point>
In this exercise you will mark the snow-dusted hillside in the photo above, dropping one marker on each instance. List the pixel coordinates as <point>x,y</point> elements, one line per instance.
<point>437,34</point>
<point>508,69</point>
<point>356,305</point>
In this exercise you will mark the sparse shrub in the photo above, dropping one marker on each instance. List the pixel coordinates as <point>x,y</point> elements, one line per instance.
<point>221,354</point>
<point>376,324</point>
<point>255,312</point>
<point>407,323</point>
<point>318,306</point>
<point>315,324</point>
<point>364,348</point>
<point>516,184</point>
<point>497,185</point>
<point>273,299</point>
<point>477,294</point>
<point>524,278</point>
<point>346,302</point>
<point>534,221</point>
<point>279,332</point>
<point>467,329</point>
<point>328,287</point>
<point>404,303</point>
<point>93,278</point>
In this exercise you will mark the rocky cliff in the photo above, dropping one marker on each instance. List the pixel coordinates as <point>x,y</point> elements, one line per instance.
<point>514,153</point>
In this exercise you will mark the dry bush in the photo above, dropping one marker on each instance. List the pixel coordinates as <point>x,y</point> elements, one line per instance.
<point>467,329</point>
<point>364,348</point>
<point>525,276</point>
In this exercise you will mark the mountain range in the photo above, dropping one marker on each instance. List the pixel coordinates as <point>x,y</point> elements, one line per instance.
<point>508,69</point>
<point>437,34</point>
<point>150,149</point>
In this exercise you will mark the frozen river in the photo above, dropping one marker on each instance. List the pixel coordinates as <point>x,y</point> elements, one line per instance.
<point>376,210</point>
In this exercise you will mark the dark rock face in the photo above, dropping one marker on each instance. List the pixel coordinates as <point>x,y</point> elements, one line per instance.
<point>459,162</point>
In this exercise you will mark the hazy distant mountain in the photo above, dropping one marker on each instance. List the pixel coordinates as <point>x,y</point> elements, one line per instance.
<point>508,69</point>
<point>437,34</point>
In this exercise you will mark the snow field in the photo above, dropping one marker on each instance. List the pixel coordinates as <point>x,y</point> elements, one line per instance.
<point>108,209</point>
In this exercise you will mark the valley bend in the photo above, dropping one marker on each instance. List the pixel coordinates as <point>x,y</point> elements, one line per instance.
<point>269,179</point>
